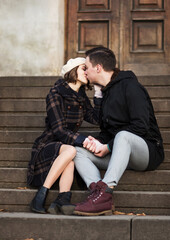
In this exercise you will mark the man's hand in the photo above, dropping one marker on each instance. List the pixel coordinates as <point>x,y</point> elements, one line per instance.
<point>102,151</point>
<point>97,91</point>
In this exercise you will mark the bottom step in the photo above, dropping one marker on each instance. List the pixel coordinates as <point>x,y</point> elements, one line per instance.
<point>22,226</point>
<point>150,203</point>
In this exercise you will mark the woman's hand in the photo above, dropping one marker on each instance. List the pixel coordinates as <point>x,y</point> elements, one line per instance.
<point>91,144</point>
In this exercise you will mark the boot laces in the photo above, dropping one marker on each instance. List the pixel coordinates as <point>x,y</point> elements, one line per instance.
<point>94,192</point>
<point>98,195</point>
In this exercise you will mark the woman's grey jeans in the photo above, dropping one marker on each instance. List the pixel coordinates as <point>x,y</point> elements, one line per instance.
<point>129,151</point>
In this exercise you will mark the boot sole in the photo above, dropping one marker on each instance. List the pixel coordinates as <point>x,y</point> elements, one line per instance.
<point>53,210</point>
<point>36,211</point>
<point>106,213</point>
<point>67,209</point>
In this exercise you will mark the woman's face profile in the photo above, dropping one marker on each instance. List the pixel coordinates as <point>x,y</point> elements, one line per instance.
<point>81,74</point>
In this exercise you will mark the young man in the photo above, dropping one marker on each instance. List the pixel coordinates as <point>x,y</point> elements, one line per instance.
<point>129,137</point>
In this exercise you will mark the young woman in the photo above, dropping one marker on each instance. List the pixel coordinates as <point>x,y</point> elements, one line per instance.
<point>67,105</point>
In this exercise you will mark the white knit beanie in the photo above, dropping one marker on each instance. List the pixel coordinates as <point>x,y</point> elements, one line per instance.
<point>72,63</point>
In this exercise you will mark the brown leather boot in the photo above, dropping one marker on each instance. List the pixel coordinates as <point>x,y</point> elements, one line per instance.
<point>92,191</point>
<point>100,203</point>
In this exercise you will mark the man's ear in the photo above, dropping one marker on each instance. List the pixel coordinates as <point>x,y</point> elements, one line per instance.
<point>99,68</point>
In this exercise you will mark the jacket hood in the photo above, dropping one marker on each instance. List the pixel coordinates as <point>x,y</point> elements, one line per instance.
<point>121,76</point>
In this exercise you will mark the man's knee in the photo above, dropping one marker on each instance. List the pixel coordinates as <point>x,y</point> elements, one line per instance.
<point>125,135</point>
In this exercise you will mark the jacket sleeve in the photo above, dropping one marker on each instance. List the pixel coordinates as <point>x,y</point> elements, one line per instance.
<point>104,136</point>
<point>92,114</point>
<point>138,108</point>
<point>58,123</point>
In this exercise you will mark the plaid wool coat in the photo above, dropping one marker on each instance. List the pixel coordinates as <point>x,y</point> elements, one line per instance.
<point>66,110</point>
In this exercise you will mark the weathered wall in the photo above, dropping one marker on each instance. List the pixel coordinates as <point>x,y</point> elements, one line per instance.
<point>31,37</point>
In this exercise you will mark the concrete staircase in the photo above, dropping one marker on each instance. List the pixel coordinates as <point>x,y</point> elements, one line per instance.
<point>22,114</point>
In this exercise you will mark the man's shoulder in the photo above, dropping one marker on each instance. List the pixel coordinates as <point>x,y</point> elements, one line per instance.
<point>127,74</point>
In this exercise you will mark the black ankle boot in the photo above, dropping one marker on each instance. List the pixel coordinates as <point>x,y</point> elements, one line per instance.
<point>62,204</point>
<point>37,204</point>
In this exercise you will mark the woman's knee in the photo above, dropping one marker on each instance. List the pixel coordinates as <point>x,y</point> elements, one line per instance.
<point>70,149</point>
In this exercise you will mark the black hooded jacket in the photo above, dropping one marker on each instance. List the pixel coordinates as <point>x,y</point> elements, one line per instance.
<point>127,106</point>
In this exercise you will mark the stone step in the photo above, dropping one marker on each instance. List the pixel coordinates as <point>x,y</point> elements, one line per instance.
<point>39,105</point>
<point>151,227</point>
<point>157,180</point>
<point>29,136</point>
<point>41,92</point>
<point>31,226</point>
<point>19,157</point>
<point>28,120</point>
<point>23,92</point>
<point>162,105</point>
<point>159,92</point>
<point>34,81</point>
<point>154,80</point>
<point>37,120</point>
<point>26,105</point>
<point>37,81</point>
<point>137,202</point>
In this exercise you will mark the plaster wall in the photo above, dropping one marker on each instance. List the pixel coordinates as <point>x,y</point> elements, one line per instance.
<point>31,37</point>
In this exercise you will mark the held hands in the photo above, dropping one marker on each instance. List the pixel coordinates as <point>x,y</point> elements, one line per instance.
<point>93,145</point>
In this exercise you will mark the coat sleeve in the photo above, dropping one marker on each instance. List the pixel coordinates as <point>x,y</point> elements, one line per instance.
<point>58,123</point>
<point>104,136</point>
<point>138,108</point>
<point>92,114</point>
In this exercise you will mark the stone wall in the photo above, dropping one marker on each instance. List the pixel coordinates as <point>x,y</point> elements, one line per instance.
<point>31,37</point>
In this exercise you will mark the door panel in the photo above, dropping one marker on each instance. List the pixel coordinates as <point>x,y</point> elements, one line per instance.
<point>89,29</point>
<point>92,23</point>
<point>147,50</point>
<point>94,5</point>
<point>136,30</point>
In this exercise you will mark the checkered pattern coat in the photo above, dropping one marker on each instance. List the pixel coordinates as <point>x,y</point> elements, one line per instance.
<point>66,110</point>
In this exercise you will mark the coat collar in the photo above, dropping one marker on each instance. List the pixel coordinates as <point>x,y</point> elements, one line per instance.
<point>61,87</point>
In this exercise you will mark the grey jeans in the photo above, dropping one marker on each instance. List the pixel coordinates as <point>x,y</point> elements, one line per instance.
<point>129,151</point>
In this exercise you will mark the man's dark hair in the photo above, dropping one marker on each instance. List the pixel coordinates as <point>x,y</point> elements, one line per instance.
<point>103,56</point>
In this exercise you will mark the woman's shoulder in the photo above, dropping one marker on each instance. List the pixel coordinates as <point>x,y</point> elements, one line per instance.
<point>58,82</point>
<point>59,88</point>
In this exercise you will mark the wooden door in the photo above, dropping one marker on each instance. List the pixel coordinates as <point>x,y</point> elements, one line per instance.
<point>136,30</point>
<point>91,23</point>
<point>145,39</point>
